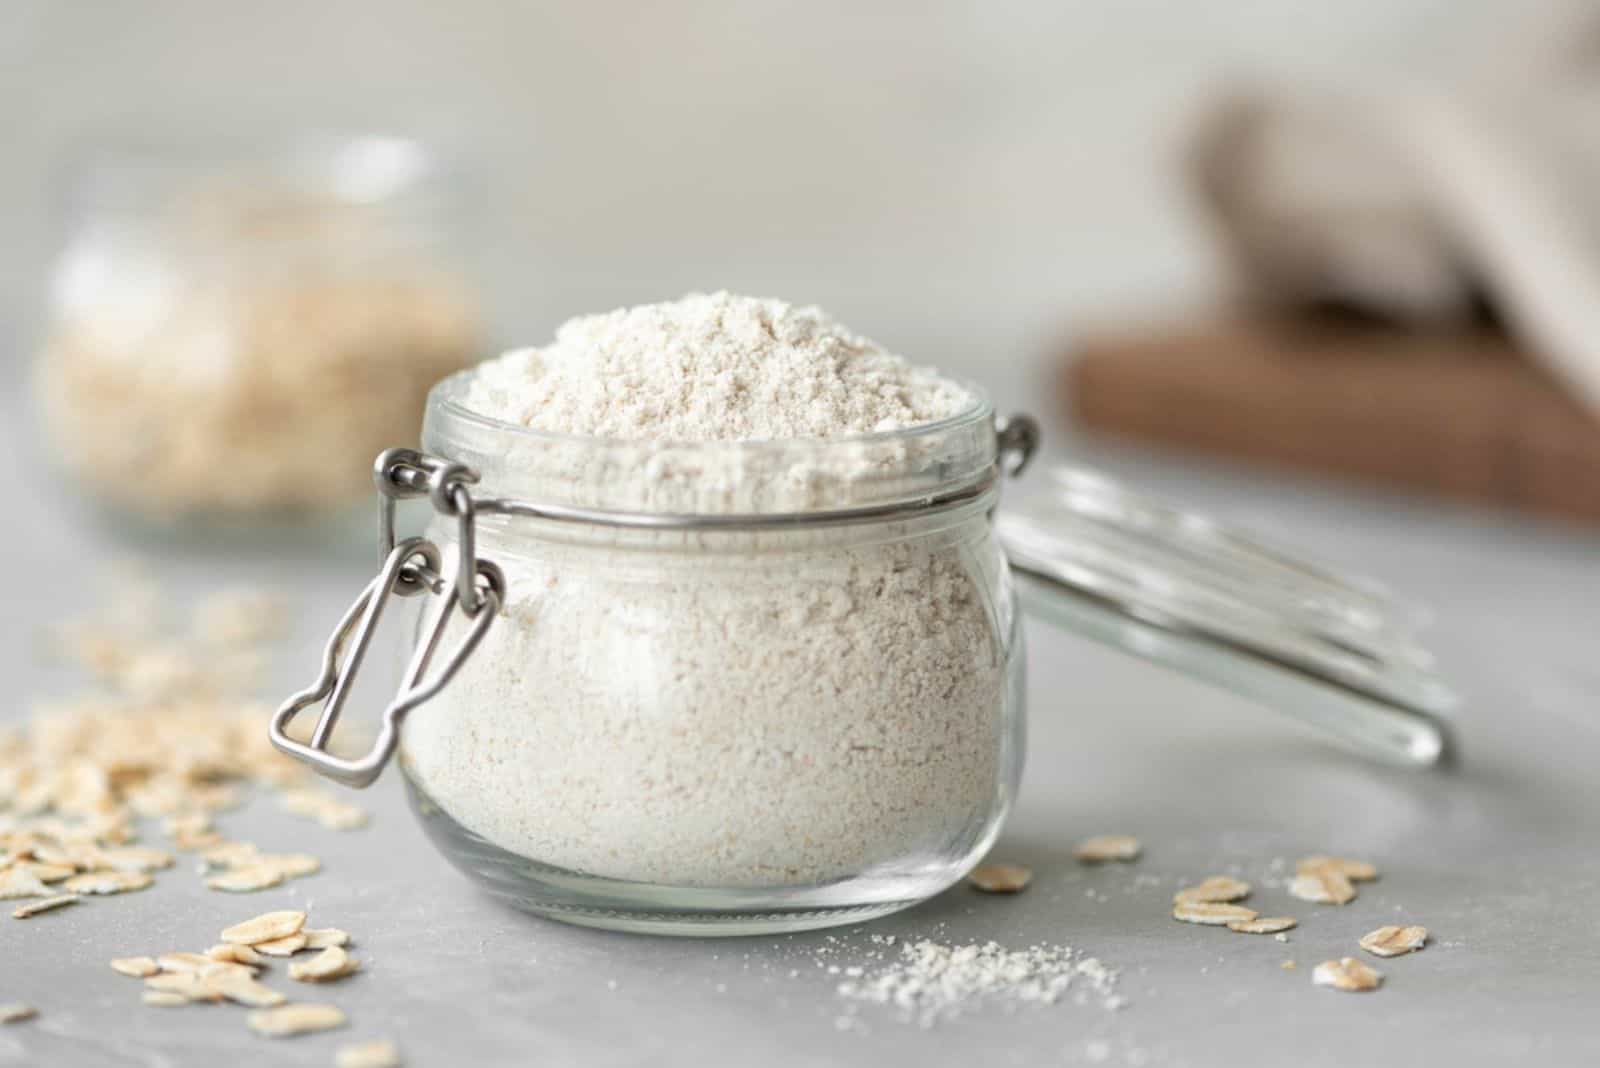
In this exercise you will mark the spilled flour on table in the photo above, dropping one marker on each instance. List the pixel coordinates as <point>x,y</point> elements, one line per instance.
<point>928,982</point>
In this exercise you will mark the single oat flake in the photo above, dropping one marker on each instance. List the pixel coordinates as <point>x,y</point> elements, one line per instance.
<point>48,871</point>
<point>1347,973</point>
<point>267,927</point>
<point>16,1012</point>
<point>286,1021</point>
<point>183,962</point>
<point>138,967</point>
<point>1323,886</point>
<point>1263,925</point>
<point>247,879</point>
<point>33,908</point>
<point>186,984</point>
<point>1000,878</point>
<point>1392,941</point>
<point>322,938</point>
<point>332,963</point>
<point>379,1053</point>
<point>164,999</point>
<point>282,947</point>
<point>242,989</point>
<point>231,855</point>
<point>107,882</point>
<point>1214,888</point>
<point>227,952</point>
<point>1357,871</point>
<point>1211,913</point>
<point>20,882</point>
<point>136,858</point>
<point>1104,847</point>
<point>291,865</point>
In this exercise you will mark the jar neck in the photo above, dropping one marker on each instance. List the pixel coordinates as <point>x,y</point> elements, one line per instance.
<point>513,537</point>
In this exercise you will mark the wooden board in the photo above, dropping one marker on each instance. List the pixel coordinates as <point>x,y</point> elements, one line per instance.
<point>1461,414</point>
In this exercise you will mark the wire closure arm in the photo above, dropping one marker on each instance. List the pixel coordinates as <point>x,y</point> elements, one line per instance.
<point>409,567</point>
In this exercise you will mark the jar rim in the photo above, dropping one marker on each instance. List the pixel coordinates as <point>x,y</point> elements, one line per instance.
<point>752,477</point>
<point>447,392</point>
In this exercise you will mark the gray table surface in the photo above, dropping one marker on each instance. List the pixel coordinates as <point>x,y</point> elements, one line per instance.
<point>1498,857</point>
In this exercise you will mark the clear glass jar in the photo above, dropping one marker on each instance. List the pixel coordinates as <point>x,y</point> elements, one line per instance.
<point>234,332</point>
<point>757,729</point>
<point>753,687</point>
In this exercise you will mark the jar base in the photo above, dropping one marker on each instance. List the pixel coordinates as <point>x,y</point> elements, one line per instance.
<point>646,908</point>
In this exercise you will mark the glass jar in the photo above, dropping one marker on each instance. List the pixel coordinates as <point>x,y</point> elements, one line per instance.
<point>752,687</point>
<point>232,332</point>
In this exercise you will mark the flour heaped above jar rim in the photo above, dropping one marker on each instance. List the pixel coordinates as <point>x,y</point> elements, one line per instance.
<point>715,405</point>
<point>712,368</point>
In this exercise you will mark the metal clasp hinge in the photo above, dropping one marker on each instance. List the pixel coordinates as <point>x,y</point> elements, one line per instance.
<point>409,567</point>
<point>1016,440</point>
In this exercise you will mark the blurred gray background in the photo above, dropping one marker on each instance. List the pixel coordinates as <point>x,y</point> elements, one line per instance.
<point>961,180</point>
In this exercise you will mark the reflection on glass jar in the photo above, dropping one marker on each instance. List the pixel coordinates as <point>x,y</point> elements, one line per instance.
<point>231,338</point>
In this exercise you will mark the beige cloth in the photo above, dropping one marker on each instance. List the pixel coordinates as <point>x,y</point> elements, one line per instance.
<point>1412,202</point>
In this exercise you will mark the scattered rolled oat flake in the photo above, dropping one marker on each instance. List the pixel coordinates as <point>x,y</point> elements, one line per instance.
<point>326,809</point>
<point>1357,871</point>
<point>21,882</point>
<point>138,967</point>
<point>1106,847</point>
<point>187,984</point>
<point>1000,878</point>
<point>241,988</point>
<point>228,952</point>
<point>265,928</point>
<point>1392,941</point>
<point>1323,886</point>
<point>1263,925</point>
<point>16,1012</point>
<point>183,962</point>
<point>107,882</point>
<point>332,963</point>
<point>282,947</point>
<point>1346,973</point>
<point>226,967</point>
<point>296,1019</point>
<point>33,908</point>
<point>187,824</point>
<point>50,872</point>
<point>379,1053</point>
<point>322,938</point>
<point>1288,965</point>
<point>290,865</point>
<point>230,855</point>
<point>136,858</point>
<point>1211,913</point>
<point>166,999</point>
<point>1214,888</point>
<point>249,878</point>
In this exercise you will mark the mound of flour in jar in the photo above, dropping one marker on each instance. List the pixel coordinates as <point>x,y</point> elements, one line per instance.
<point>732,709</point>
<point>712,367</point>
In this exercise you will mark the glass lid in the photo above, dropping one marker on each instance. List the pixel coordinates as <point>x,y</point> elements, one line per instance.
<point>1179,589</point>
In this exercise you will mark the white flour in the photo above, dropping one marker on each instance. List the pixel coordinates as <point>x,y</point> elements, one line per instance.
<point>931,981</point>
<point>728,709</point>
<point>711,368</point>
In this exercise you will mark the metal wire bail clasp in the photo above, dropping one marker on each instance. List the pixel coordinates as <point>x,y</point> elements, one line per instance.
<point>409,567</point>
<point>1016,440</point>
